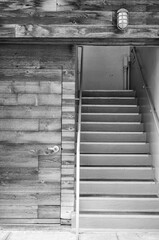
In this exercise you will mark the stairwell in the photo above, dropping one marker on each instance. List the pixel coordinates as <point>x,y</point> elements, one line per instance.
<point>117,183</point>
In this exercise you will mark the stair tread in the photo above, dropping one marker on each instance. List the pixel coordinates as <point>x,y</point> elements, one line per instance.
<point>110,105</point>
<point>126,213</point>
<point>94,97</point>
<point>113,114</point>
<point>116,143</point>
<point>115,181</point>
<point>123,197</point>
<point>87,122</point>
<point>118,168</point>
<point>105,132</point>
<point>135,196</point>
<point>116,154</point>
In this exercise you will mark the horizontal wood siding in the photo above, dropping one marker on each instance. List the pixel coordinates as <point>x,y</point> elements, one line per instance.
<point>77,19</point>
<point>37,89</point>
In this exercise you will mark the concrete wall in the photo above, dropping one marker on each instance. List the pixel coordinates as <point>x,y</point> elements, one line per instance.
<point>103,67</point>
<point>149,60</point>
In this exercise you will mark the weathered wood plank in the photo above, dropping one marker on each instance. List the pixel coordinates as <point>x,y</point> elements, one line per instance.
<point>68,159</point>
<point>109,5</point>
<point>20,223</point>
<point>24,150</point>
<point>67,18</point>
<point>66,212</point>
<point>67,200</point>
<point>50,125</point>
<point>22,112</point>
<point>69,88</point>
<point>68,136</point>
<point>13,186</point>
<point>20,212</point>
<point>68,125</point>
<point>68,75</point>
<point>32,7</point>
<point>30,87</point>
<point>49,211</point>
<point>12,137</point>
<point>49,174</point>
<point>68,147</point>
<point>18,174</point>
<point>67,186</point>
<point>30,99</point>
<point>18,160</point>
<point>30,199</point>
<point>86,31</point>
<point>39,57</point>
<point>83,41</point>
<point>19,124</point>
<point>105,18</point>
<point>7,31</point>
<point>50,161</point>
<point>52,75</point>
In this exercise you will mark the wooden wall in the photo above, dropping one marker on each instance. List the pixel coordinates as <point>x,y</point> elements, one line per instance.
<point>36,91</point>
<point>77,18</point>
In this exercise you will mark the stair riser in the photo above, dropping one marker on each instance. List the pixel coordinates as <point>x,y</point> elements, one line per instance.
<point>111,118</point>
<point>107,109</point>
<point>109,137</point>
<point>106,101</point>
<point>117,222</point>
<point>116,160</point>
<point>112,127</point>
<point>104,174</point>
<point>114,148</point>
<point>125,188</point>
<point>108,94</point>
<point>117,205</point>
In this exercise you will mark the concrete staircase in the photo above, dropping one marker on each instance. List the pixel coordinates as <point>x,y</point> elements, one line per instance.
<point>117,184</point>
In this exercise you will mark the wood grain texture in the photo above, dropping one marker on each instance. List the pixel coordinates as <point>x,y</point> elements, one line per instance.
<point>49,212</point>
<point>35,7</point>
<point>68,147</point>
<point>30,199</point>
<point>30,125</point>
<point>86,31</point>
<point>34,91</point>
<point>30,75</point>
<point>10,211</point>
<point>105,18</point>
<point>26,56</point>
<point>30,112</point>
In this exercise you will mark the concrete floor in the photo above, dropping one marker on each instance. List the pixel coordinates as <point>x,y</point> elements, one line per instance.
<point>56,235</point>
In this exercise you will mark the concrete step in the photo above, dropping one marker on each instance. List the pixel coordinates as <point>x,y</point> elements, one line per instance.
<point>108,93</point>
<point>116,173</point>
<point>109,100</point>
<point>113,137</point>
<point>112,126</point>
<point>119,187</point>
<point>131,220</point>
<point>116,159</point>
<point>114,147</point>
<point>111,117</point>
<point>87,108</point>
<point>119,204</point>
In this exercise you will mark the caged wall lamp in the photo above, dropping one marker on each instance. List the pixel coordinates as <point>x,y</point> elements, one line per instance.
<point>122,19</point>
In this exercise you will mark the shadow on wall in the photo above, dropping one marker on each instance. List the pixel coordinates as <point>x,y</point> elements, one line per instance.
<point>103,67</point>
<point>149,61</point>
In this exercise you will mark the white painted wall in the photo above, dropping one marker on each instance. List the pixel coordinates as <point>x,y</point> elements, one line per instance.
<point>149,60</point>
<point>103,67</point>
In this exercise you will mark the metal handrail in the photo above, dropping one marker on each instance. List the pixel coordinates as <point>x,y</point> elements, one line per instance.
<point>78,147</point>
<point>153,111</point>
